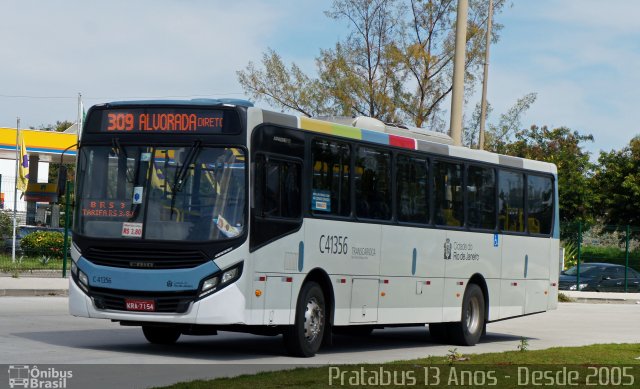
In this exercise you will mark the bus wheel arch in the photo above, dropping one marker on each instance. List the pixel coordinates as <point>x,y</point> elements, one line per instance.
<point>479,280</point>
<point>314,301</point>
<point>472,324</point>
<point>321,277</point>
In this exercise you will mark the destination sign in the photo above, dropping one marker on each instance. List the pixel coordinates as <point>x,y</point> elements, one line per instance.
<point>175,120</point>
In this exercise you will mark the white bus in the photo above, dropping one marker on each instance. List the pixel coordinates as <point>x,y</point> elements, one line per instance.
<point>205,215</point>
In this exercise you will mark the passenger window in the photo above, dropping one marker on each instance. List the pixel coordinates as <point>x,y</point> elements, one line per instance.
<point>278,188</point>
<point>412,190</point>
<point>613,273</point>
<point>449,200</point>
<point>511,201</point>
<point>481,197</point>
<point>373,184</point>
<point>540,204</point>
<point>330,193</point>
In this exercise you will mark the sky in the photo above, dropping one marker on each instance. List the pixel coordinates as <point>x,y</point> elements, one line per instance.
<point>581,57</point>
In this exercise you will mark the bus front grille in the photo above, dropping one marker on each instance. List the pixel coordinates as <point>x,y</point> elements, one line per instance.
<point>145,259</point>
<point>165,302</point>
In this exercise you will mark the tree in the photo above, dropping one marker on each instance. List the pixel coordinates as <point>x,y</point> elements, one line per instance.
<point>395,64</point>
<point>617,179</point>
<point>429,43</point>
<point>6,223</point>
<point>562,147</point>
<point>59,126</point>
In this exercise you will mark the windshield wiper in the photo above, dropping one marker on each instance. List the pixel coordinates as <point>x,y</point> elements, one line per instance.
<point>179,177</point>
<point>120,151</point>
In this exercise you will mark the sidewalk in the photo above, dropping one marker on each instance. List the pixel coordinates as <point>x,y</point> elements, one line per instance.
<point>31,286</point>
<point>603,298</point>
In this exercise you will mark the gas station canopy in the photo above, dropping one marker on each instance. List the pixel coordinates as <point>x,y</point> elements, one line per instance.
<point>47,145</point>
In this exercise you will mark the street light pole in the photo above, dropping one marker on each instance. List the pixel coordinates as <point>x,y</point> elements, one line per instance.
<point>485,78</point>
<point>457,95</point>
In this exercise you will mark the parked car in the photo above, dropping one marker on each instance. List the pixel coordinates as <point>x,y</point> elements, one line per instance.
<point>600,277</point>
<point>21,232</point>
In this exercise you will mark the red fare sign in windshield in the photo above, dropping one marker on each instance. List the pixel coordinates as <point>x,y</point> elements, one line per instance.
<point>153,120</point>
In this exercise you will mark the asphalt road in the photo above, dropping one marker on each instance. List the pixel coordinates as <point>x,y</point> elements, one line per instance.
<point>38,330</point>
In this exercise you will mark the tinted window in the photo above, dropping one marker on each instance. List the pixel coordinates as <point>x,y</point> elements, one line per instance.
<point>511,201</point>
<point>481,194</point>
<point>277,188</point>
<point>613,273</point>
<point>330,184</point>
<point>412,177</point>
<point>373,184</point>
<point>540,204</point>
<point>448,193</point>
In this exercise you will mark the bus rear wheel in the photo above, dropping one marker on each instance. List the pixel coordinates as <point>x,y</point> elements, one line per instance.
<point>161,335</point>
<point>304,337</point>
<point>468,331</point>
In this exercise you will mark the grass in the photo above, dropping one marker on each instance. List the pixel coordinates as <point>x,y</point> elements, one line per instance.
<point>563,298</point>
<point>504,365</point>
<point>26,264</point>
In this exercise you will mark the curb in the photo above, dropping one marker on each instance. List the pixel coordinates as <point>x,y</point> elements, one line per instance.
<point>605,300</point>
<point>33,292</point>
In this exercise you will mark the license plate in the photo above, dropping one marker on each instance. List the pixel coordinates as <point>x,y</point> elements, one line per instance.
<point>140,305</point>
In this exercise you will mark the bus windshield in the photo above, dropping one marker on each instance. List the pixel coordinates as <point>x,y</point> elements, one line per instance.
<point>191,193</point>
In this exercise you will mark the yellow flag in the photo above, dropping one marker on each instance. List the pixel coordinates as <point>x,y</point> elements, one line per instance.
<point>23,168</point>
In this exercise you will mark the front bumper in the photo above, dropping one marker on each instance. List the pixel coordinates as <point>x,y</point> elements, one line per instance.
<point>226,306</point>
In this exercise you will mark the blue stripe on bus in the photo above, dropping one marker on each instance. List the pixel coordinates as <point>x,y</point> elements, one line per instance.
<point>376,137</point>
<point>144,279</point>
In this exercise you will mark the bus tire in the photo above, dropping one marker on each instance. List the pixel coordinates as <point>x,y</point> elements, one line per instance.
<point>439,332</point>
<point>161,335</point>
<point>468,331</point>
<point>304,337</point>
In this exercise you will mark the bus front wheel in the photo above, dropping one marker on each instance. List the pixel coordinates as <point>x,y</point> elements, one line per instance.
<point>468,331</point>
<point>304,337</point>
<point>161,335</point>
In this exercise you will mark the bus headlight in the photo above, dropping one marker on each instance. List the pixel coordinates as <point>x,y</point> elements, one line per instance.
<point>209,284</point>
<point>218,281</point>
<point>83,278</point>
<point>230,275</point>
<point>74,268</point>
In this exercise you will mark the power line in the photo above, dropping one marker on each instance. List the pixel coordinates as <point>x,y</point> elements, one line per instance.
<point>36,97</point>
<point>118,97</point>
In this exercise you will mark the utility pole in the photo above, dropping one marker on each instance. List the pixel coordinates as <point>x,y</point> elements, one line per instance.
<point>457,96</point>
<point>15,191</point>
<point>483,104</point>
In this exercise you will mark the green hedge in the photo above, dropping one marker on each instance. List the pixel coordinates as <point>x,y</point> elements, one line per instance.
<point>610,255</point>
<point>49,243</point>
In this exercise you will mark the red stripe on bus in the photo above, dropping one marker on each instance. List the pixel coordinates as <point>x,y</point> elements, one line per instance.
<point>401,141</point>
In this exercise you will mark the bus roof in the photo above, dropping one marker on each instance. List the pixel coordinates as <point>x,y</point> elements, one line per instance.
<point>203,102</point>
<point>410,141</point>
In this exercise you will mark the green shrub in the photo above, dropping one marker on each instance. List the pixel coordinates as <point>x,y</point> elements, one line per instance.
<point>563,298</point>
<point>570,254</point>
<point>47,243</point>
<point>610,255</point>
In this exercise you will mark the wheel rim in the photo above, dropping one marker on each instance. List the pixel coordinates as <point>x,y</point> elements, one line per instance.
<point>473,315</point>
<point>313,320</point>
